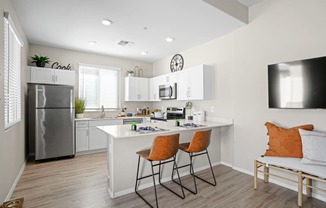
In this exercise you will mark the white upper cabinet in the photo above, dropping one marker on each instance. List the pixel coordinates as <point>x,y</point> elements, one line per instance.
<point>195,83</point>
<point>136,89</point>
<point>154,84</point>
<point>169,79</point>
<point>50,76</point>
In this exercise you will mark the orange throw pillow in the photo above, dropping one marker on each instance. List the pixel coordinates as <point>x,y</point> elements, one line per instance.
<point>285,142</point>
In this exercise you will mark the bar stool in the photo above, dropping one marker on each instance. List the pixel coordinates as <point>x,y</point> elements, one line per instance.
<point>198,146</point>
<point>163,148</point>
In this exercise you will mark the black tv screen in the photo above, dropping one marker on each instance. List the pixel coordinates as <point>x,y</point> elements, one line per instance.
<point>297,84</point>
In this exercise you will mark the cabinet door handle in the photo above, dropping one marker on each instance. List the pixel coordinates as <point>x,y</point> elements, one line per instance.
<point>52,78</point>
<point>56,78</point>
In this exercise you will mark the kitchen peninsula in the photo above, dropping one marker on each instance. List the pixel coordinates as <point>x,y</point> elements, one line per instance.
<point>123,143</point>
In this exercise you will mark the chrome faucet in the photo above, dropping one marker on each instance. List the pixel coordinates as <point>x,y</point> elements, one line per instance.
<point>102,113</point>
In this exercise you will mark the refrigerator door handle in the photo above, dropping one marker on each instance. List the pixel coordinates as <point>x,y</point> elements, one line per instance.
<point>71,100</point>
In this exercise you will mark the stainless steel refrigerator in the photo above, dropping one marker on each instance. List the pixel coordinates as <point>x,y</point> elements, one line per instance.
<point>51,114</point>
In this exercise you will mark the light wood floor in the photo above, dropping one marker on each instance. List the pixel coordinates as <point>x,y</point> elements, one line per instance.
<point>82,183</point>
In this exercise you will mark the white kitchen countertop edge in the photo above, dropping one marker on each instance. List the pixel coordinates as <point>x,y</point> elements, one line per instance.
<point>109,118</point>
<point>124,131</point>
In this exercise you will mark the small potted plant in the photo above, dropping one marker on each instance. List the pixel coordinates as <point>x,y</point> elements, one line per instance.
<point>79,107</point>
<point>40,61</point>
<point>130,73</point>
<point>133,126</point>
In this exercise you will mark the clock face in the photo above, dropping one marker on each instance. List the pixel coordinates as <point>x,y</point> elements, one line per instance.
<point>176,63</point>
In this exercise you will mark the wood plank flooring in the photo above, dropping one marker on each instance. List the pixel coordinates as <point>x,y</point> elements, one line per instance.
<point>82,183</point>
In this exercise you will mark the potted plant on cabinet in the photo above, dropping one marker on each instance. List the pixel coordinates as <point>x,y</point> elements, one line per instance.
<point>79,107</point>
<point>130,73</point>
<point>40,61</point>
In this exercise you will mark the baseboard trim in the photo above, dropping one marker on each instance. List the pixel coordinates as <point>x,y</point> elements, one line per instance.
<point>280,183</point>
<point>147,185</point>
<point>227,164</point>
<point>8,197</point>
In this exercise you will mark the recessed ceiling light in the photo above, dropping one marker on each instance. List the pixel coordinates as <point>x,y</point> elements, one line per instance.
<point>92,43</point>
<point>106,22</point>
<point>169,39</point>
<point>144,52</point>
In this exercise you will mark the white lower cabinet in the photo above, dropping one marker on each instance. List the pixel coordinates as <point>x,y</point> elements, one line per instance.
<point>89,137</point>
<point>97,139</point>
<point>82,136</point>
<point>81,139</point>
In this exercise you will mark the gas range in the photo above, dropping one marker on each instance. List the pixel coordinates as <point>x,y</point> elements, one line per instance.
<point>175,113</point>
<point>172,113</point>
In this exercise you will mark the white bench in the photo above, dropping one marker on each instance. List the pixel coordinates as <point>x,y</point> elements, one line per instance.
<point>293,166</point>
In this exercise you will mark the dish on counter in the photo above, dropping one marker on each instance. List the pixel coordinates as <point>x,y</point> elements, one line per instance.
<point>149,129</point>
<point>191,125</point>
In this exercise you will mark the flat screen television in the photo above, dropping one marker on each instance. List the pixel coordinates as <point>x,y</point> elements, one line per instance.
<point>297,84</point>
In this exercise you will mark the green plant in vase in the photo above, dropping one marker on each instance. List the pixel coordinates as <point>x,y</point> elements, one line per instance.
<point>40,61</point>
<point>79,107</point>
<point>130,73</point>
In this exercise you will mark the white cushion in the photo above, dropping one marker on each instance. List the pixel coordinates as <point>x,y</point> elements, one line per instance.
<point>313,147</point>
<point>294,164</point>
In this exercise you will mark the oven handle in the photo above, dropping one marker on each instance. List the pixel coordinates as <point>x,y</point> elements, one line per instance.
<point>170,95</point>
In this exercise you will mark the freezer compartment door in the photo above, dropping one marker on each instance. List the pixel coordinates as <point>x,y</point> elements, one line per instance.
<point>54,133</point>
<point>54,96</point>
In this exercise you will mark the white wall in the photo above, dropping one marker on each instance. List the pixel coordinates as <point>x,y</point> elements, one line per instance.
<point>65,57</point>
<point>279,30</point>
<point>12,141</point>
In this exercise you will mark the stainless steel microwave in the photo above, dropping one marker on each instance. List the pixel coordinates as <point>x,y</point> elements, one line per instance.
<point>168,92</point>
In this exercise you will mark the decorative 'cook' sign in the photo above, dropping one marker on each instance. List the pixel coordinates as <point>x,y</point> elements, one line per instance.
<point>56,65</point>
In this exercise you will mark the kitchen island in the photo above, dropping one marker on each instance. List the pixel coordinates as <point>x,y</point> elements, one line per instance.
<point>123,143</point>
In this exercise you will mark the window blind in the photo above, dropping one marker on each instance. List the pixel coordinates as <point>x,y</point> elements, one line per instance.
<point>99,85</point>
<point>12,67</point>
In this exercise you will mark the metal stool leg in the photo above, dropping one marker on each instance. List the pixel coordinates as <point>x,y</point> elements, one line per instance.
<point>191,170</point>
<point>155,183</point>
<point>139,178</point>
<point>159,179</point>
<point>210,164</point>
<point>174,164</point>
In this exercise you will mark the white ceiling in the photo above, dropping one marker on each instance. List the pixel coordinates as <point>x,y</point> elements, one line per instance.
<point>71,24</point>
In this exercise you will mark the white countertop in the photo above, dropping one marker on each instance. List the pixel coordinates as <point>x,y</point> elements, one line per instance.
<point>110,118</point>
<point>124,131</point>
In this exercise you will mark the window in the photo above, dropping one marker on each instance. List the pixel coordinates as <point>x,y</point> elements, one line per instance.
<point>12,67</point>
<point>99,85</point>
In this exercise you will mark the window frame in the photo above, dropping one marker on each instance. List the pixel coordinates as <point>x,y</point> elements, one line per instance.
<point>118,84</point>
<point>10,69</point>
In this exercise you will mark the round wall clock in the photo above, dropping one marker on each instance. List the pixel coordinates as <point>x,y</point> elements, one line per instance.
<point>176,63</point>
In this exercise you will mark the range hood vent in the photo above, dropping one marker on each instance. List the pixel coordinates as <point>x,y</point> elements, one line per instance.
<point>126,43</point>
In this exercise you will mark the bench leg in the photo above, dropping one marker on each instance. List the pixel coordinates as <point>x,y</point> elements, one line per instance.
<point>255,174</point>
<point>308,188</point>
<point>300,189</point>
<point>266,176</point>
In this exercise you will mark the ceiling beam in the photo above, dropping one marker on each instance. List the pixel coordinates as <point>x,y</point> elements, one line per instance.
<point>231,7</point>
